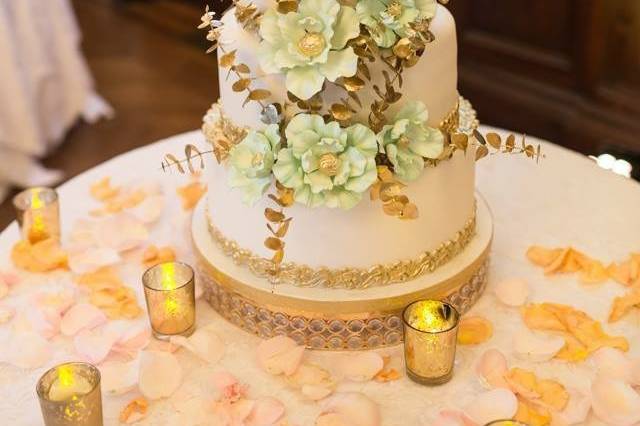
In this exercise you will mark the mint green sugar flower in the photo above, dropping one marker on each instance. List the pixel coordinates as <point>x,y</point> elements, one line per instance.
<point>309,45</point>
<point>251,161</point>
<point>389,19</point>
<point>409,140</point>
<point>325,164</point>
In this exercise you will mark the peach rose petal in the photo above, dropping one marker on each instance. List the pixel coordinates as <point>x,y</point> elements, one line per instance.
<point>122,232</point>
<point>134,339</point>
<point>387,374</point>
<point>512,292</point>
<point>474,330</point>
<point>452,418</point>
<point>361,366</point>
<point>266,411</point>
<point>543,392</point>
<point>4,289</point>
<point>594,272</point>
<point>81,316</point>
<point>331,419</point>
<point>136,410</point>
<point>204,343</point>
<point>9,278</point>
<point>535,348</point>
<point>531,414</point>
<point>160,374</point>
<point>569,260</point>
<point>576,411</point>
<point>118,378</point>
<point>149,210</point>
<point>314,382</point>
<point>102,190</point>
<point>228,386</point>
<point>615,402</point>
<point>613,364</point>
<point>94,345</point>
<point>37,321</point>
<point>492,405</point>
<point>542,256</point>
<point>154,255</point>
<point>279,355</point>
<point>624,304</point>
<point>85,260</point>
<point>352,408</point>
<point>491,369</point>
<point>28,350</point>
<point>100,279</point>
<point>43,256</point>
<point>191,194</point>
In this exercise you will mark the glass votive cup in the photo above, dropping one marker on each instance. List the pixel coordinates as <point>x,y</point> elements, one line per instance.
<point>430,334</point>
<point>38,214</point>
<point>70,394</point>
<point>506,422</point>
<point>169,289</point>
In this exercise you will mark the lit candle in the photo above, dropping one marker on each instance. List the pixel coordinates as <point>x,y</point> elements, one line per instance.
<point>430,332</point>
<point>70,394</point>
<point>169,290</point>
<point>38,214</point>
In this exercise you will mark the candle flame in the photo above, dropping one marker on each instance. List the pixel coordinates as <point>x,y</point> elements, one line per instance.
<point>168,276</point>
<point>37,230</point>
<point>66,376</point>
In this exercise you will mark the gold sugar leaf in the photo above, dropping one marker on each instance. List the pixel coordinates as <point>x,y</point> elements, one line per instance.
<point>273,215</point>
<point>227,60</point>
<point>340,112</point>
<point>191,152</point>
<point>286,6</point>
<point>353,84</point>
<point>283,228</point>
<point>384,174</point>
<point>242,68</point>
<point>390,190</point>
<point>481,152</point>
<point>259,94</point>
<point>364,70</point>
<point>410,211</point>
<point>403,49</point>
<point>273,243</point>
<point>374,191</point>
<point>494,140</point>
<point>479,136</point>
<point>355,97</point>
<point>401,199</point>
<point>393,208</point>
<point>241,85</point>
<point>530,151</point>
<point>460,141</point>
<point>278,256</point>
<point>170,160</point>
<point>510,143</point>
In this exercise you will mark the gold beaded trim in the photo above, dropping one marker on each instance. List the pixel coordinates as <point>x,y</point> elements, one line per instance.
<point>346,278</point>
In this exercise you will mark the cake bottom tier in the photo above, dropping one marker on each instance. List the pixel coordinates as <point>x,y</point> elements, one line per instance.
<point>335,319</point>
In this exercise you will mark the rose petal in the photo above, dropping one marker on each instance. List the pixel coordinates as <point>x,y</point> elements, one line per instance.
<point>615,402</point>
<point>160,374</point>
<point>491,368</point>
<point>352,408</point>
<point>204,343</point>
<point>280,355</point>
<point>134,411</point>
<point>266,411</point>
<point>118,378</point>
<point>532,347</point>
<point>28,350</point>
<point>94,345</point>
<point>543,392</point>
<point>361,367</point>
<point>492,405</point>
<point>6,314</point>
<point>474,330</point>
<point>191,194</point>
<point>452,418</point>
<point>85,260</point>
<point>512,292</point>
<point>81,316</point>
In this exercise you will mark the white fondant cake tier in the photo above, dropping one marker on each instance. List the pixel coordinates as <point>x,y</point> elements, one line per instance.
<point>361,237</point>
<point>433,80</point>
<point>335,318</point>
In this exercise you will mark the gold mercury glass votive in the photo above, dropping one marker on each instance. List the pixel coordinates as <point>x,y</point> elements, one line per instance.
<point>430,333</point>
<point>38,214</point>
<point>169,289</point>
<point>70,395</point>
<point>506,423</point>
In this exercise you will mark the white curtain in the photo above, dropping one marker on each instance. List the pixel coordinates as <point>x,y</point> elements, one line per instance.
<point>45,86</point>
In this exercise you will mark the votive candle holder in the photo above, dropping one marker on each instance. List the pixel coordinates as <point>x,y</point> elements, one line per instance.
<point>38,214</point>
<point>430,334</point>
<point>169,289</point>
<point>70,394</point>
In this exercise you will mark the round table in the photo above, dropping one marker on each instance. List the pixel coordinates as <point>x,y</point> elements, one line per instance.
<point>565,200</point>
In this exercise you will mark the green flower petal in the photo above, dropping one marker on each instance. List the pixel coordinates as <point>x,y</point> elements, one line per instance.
<point>340,63</point>
<point>267,54</point>
<point>303,195</point>
<point>365,180</point>
<point>427,8</point>
<point>355,160</point>
<point>287,169</point>
<point>318,181</point>
<point>319,8</point>
<point>413,111</point>
<point>346,27</point>
<point>430,144</point>
<point>363,138</point>
<point>269,28</point>
<point>303,142</point>
<point>304,82</point>
<point>342,199</point>
<point>384,37</point>
<point>369,9</point>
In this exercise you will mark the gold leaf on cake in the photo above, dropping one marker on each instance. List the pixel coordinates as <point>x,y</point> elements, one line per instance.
<point>353,84</point>
<point>227,60</point>
<point>402,49</point>
<point>273,215</point>
<point>340,112</point>
<point>286,6</point>
<point>494,140</point>
<point>242,68</point>
<point>460,141</point>
<point>241,85</point>
<point>259,94</point>
<point>278,256</point>
<point>481,152</point>
<point>510,144</point>
<point>273,243</point>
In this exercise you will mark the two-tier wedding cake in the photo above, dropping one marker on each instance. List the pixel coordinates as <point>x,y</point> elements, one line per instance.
<point>342,186</point>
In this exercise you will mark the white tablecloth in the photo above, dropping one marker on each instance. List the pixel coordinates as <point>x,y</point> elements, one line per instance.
<point>45,86</point>
<point>565,200</point>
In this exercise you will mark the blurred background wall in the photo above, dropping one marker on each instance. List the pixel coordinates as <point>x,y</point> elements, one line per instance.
<point>564,70</point>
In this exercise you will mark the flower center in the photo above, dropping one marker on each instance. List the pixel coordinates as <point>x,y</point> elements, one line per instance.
<point>256,161</point>
<point>329,164</point>
<point>312,44</point>
<point>394,9</point>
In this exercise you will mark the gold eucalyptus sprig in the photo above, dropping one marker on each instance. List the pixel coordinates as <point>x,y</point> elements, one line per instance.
<point>388,190</point>
<point>247,15</point>
<point>278,224</point>
<point>493,143</point>
<point>192,153</point>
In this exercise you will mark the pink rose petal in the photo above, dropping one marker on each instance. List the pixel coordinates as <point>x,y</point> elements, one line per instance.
<point>160,374</point>
<point>354,408</point>
<point>453,418</point>
<point>134,339</point>
<point>266,412</point>
<point>491,368</point>
<point>361,366</point>
<point>118,378</point>
<point>82,316</point>
<point>94,345</point>
<point>204,343</point>
<point>84,260</point>
<point>28,350</point>
<point>280,355</point>
<point>122,232</point>
<point>6,314</point>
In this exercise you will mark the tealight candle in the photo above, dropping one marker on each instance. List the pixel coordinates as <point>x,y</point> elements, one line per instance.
<point>70,395</point>
<point>38,214</point>
<point>430,333</point>
<point>169,290</point>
